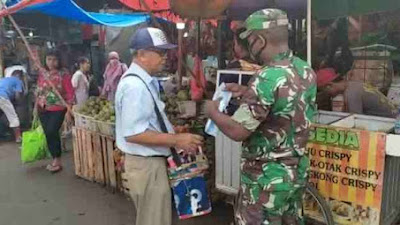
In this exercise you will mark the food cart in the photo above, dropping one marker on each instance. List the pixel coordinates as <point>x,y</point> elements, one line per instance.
<point>354,158</point>
<point>354,165</point>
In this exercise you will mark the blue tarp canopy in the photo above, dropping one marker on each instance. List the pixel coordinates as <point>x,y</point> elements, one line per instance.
<point>69,10</point>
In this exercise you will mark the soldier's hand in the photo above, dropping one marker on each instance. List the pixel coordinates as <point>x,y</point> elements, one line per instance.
<point>188,142</point>
<point>211,108</point>
<point>237,90</point>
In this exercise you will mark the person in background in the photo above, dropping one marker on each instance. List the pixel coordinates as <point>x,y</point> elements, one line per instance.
<point>80,81</point>
<point>112,75</point>
<point>10,70</point>
<point>324,99</point>
<point>11,89</point>
<point>51,108</point>
<point>140,133</point>
<point>329,37</point>
<point>359,97</point>
<point>239,49</point>
<point>273,122</point>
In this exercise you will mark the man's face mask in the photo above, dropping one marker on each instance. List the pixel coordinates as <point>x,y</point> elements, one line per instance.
<point>254,53</point>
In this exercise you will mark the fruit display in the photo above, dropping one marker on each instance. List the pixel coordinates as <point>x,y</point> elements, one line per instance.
<point>98,108</point>
<point>171,105</point>
<point>183,95</point>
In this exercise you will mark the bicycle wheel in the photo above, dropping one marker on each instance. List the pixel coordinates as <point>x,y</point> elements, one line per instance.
<point>311,194</point>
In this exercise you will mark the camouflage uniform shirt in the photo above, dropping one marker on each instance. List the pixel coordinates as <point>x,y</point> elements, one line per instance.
<point>278,109</point>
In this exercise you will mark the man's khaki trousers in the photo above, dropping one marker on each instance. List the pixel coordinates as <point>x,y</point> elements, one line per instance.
<point>146,181</point>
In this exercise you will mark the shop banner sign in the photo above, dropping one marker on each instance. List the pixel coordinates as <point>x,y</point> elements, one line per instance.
<point>346,166</point>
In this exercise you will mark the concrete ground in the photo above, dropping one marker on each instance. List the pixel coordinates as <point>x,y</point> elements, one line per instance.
<point>31,195</point>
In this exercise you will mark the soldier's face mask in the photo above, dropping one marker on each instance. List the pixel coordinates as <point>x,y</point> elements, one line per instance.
<point>255,52</point>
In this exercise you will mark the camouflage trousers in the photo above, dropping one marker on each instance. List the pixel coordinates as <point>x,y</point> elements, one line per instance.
<point>271,193</point>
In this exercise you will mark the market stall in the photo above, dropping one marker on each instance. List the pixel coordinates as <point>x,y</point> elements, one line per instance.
<point>96,157</point>
<point>14,51</point>
<point>354,165</point>
<point>354,158</point>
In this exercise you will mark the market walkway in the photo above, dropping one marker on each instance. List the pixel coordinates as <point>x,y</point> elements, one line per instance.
<point>30,195</point>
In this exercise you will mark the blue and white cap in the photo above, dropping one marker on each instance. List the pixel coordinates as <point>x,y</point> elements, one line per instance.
<point>150,37</point>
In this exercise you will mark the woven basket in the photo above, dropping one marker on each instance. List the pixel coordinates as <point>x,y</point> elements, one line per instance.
<point>106,128</point>
<point>85,122</point>
<point>187,170</point>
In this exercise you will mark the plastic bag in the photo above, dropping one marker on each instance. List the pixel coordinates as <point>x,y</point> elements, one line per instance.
<point>224,97</point>
<point>34,145</point>
<point>198,83</point>
<point>196,91</point>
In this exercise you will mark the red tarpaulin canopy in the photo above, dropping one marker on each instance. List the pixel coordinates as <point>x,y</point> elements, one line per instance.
<point>238,10</point>
<point>160,8</point>
<point>154,5</point>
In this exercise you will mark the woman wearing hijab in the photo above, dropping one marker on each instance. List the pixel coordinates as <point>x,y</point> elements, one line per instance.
<point>114,70</point>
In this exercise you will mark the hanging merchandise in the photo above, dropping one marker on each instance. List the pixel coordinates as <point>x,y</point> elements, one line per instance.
<point>198,82</point>
<point>196,91</point>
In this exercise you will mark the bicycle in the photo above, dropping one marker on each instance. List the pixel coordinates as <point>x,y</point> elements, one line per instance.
<point>312,194</point>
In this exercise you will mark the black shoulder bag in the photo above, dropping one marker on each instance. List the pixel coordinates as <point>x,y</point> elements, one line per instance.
<point>161,121</point>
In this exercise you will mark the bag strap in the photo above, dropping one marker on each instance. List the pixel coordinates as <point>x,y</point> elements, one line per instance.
<point>46,77</point>
<point>160,119</point>
<point>158,113</point>
<point>35,122</point>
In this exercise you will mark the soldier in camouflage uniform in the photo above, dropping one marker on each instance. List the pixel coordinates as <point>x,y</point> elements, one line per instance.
<point>273,122</point>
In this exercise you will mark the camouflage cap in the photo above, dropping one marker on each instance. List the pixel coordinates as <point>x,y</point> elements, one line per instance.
<point>265,19</point>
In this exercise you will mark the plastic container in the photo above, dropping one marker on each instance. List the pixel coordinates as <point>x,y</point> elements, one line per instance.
<point>338,103</point>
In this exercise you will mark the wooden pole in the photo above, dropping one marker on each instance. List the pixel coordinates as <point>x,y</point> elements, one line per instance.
<point>180,58</point>
<point>2,74</point>
<point>309,34</point>
<point>221,60</point>
<point>198,37</point>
